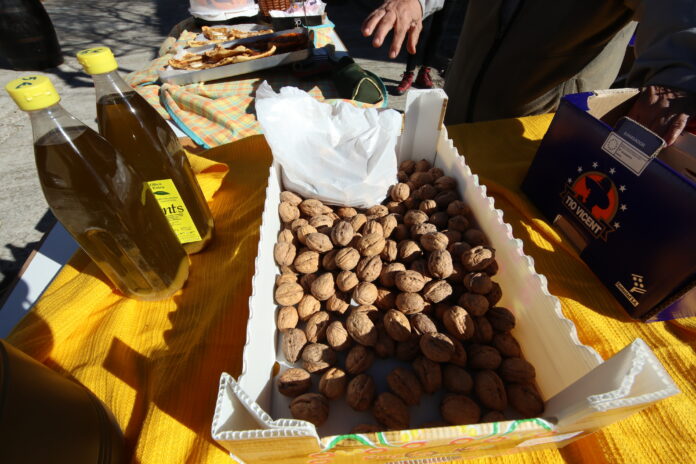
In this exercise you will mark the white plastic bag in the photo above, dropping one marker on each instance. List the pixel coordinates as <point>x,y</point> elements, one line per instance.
<point>336,153</point>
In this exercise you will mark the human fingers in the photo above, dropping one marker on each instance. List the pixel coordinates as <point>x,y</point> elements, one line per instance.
<point>413,35</point>
<point>368,26</point>
<point>674,128</point>
<point>401,27</point>
<point>383,27</point>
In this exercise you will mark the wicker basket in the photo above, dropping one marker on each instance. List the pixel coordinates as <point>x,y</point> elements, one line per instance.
<point>267,5</point>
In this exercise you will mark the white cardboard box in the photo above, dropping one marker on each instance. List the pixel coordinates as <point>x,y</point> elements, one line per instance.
<point>582,392</point>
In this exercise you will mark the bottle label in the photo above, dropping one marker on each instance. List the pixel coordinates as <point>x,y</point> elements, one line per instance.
<point>174,210</point>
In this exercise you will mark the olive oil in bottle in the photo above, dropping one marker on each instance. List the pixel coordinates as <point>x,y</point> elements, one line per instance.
<point>100,199</point>
<point>145,139</point>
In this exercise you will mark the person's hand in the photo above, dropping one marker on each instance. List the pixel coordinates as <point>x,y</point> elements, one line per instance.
<point>403,16</point>
<point>664,111</point>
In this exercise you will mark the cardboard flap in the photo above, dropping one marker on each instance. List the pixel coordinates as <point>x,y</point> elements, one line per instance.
<point>423,121</point>
<point>627,382</point>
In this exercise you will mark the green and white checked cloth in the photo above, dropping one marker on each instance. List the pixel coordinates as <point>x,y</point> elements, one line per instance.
<point>213,114</point>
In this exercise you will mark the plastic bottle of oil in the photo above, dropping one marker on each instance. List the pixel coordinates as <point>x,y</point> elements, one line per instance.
<point>99,198</point>
<point>145,139</point>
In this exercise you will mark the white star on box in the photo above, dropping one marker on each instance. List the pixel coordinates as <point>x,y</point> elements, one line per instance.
<point>623,207</point>
<point>622,188</point>
<point>612,171</point>
<point>579,168</point>
<point>570,181</point>
<point>617,225</point>
<point>595,164</point>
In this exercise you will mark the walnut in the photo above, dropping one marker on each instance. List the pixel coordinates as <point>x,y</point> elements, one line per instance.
<point>288,294</point>
<point>346,281</point>
<point>483,357</point>
<point>408,166</point>
<point>457,380</point>
<point>288,212</point>
<point>310,407</point>
<point>323,287</point>
<point>429,373</point>
<point>507,345</point>
<point>409,281</point>
<point>404,384</point>
<point>475,237</point>
<point>422,165</point>
<point>371,244</point>
<point>312,207</point>
<point>323,223</point>
<point>421,267</point>
<point>317,357</point>
<point>415,216</point>
<point>361,392</point>
<point>297,223</point>
<point>286,235</point>
<point>290,197</point>
<point>436,347</point>
<point>397,325</point>
<point>328,260</point>
<point>494,295</point>
<point>346,212</point>
<point>456,249</point>
<point>434,241</point>
<point>459,223</point>
<point>342,233</point>
<point>439,220</point>
<point>483,332</point>
<point>459,357</point>
<point>315,329</point>
<point>418,230</point>
<point>339,303</point>
<point>307,262</point>
<point>388,223</point>
<point>445,183</point>
<point>287,318</point>
<point>294,382</point>
<point>492,269</point>
<point>294,341</point>
<point>516,370</point>
<point>458,208</point>
<point>478,282</point>
<point>436,173</point>
<point>386,299</point>
<point>408,251</point>
<point>458,323</point>
<point>357,222</point>
<point>388,274</point>
<point>428,206</point>
<point>525,399</point>
<point>361,328</point>
<point>369,268</point>
<point>333,382</point>
<point>390,252</point>
<point>446,197</point>
<point>422,324</point>
<point>284,253</point>
<point>396,207</point>
<point>421,178</point>
<point>426,192</point>
<point>460,410</point>
<point>306,281</point>
<point>365,293</point>
<point>501,318</point>
<point>410,303</point>
<point>399,192</point>
<point>377,211</point>
<point>359,359</point>
<point>337,336</point>
<point>318,242</point>
<point>307,306</point>
<point>440,264</point>
<point>437,291</point>
<point>475,304</point>
<point>490,390</point>
<point>373,227</point>
<point>477,258</point>
<point>390,411</point>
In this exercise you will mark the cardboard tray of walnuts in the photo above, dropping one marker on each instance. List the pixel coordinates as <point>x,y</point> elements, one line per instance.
<point>414,328</point>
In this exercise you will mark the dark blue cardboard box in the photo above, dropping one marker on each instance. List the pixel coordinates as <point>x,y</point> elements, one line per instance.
<point>605,182</point>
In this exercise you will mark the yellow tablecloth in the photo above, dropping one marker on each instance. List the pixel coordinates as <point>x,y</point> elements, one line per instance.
<point>157,365</point>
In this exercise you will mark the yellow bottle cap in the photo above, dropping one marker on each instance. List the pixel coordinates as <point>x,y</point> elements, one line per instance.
<point>32,92</point>
<point>97,60</point>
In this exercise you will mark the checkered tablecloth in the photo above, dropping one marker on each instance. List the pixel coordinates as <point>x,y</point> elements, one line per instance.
<point>212,114</point>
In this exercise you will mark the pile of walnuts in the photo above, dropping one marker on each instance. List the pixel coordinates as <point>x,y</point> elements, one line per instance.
<point>409,279</point>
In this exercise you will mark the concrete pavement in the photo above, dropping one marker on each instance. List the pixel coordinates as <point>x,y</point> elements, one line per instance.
<point>134,29</point>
